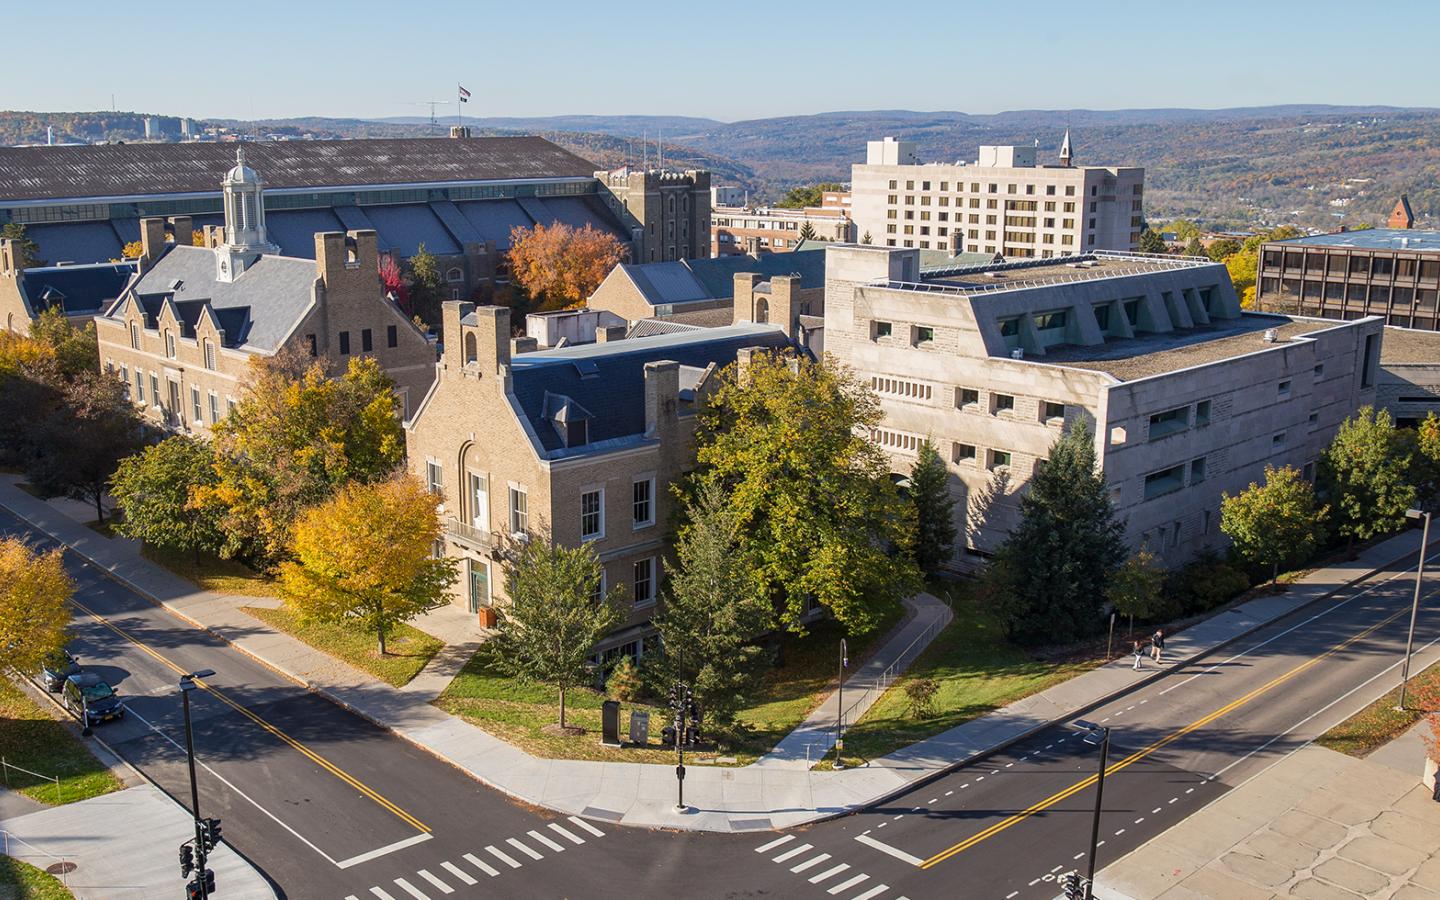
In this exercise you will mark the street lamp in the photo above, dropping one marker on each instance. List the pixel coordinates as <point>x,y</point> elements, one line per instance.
<point>1097,734</point>
<point>187,684</point>
<point>840,706</point>
<point>1415,606</point>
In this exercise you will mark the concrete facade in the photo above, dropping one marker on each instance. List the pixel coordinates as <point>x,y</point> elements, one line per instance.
<point>1409,375</point>
<point>1004,203</point>
<point>671,211</point>
<point>1186,395</point>
<point>1394,273</point>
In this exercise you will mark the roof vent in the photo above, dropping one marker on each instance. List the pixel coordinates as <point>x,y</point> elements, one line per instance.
<point>176,284</point>
<point>1017,353</point>
<point>1271,336</point>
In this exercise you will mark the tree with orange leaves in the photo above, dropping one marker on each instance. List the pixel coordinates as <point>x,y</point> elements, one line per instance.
<point>559,266</point>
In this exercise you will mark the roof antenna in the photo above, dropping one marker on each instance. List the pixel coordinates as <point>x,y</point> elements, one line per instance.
<point>645,142</point>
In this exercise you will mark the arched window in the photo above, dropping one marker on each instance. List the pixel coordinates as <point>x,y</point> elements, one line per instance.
<point>471,352</point>
<point>762,310</point>
<point>454,275</point>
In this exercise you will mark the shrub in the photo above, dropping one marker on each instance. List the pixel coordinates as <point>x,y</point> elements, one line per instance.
<point>921,694</point>
<point>625,683</point>
<point>1204,584</point>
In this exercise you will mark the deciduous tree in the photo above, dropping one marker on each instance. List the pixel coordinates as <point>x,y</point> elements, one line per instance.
<point>1425,467</point>
<point>83,439</point>
<point>1135,588</point>
<point>157,488</point>
<point>934,509</point>
<point>427,287</point>
<point>75,349</point>
<point>34,595</point>
<point>559,266</point>
<point>808,195</point>
<point>556,615</point>
<point>1365,474</point>
<point>1276,523</point>
<point>392,281</point>
<point>27,251</point>
<point>366,556</point>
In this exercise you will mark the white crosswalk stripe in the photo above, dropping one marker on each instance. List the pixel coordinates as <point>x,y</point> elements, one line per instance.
<point>411,889</point>
<point>876,891</point>
<point>545,840</point>
<point>587,826</point>
<point>380,892</point>
<point>458,872</point>
<point>523,848</point>
<point>503,857</point>
<point>568,835</point>
<point>810,863</point>
<point>793,852</point>
<point>444,888</point>
<point>482,865</point>
<point>766,848</point>
<point>847,885</point>
<point>832,871</point>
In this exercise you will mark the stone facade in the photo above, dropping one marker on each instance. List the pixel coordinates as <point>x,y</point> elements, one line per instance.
<point>671,211</point>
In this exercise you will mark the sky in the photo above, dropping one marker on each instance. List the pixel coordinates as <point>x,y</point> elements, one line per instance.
<point>728,61</point>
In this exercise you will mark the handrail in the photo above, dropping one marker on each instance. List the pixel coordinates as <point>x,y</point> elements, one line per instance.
<point>899,664</point>
<point>6,766</point>
<point>1025,284</point>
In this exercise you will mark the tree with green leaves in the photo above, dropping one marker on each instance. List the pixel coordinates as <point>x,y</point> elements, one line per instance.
<point>712,611</point>
<point>27,251</point>
<point>82,440</point>
<point>1365,476</point>
<point>157,489</point>
<point>427,286</point>
<point>1222,249</point>
<point>935,530</point>
<point>35,594</point>
<point>556,615</point>
<point>817,514</point>
<point>807,232</point>
<point>1135,588</point>
<point>1152,242</point>
<point>366,556</point>
<point>1068,542</point>
<point>1278,523</point>
<point>1424,443</point>
<point>865,238</point>
<point>76,351</point>
<point>1193,247</point>
<point>808,195</point>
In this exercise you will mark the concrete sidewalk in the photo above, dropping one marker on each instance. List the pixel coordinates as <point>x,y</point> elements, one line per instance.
<point>115,844</point>
<point>723,799</point>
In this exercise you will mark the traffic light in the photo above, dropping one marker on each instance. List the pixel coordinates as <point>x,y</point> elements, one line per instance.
<point>1073,890</point>
<point>212,833</point>
<point>187,860</point>
<point>193,891</point>
<point>209,883</point>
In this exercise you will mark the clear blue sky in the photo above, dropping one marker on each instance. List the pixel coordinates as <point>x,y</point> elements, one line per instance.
<point>732,60</point>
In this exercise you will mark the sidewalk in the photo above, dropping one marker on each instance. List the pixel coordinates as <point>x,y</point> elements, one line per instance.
<point>752,798</point>
<point>111,841</point>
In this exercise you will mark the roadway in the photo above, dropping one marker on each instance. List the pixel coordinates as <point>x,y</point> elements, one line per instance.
<point>329,805</point>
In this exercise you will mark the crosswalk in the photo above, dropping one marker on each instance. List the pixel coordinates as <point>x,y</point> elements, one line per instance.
<point>835,878</point>
<point>489,861</point>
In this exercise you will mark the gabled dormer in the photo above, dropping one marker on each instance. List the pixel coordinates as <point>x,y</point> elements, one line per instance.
<point>570,420</point>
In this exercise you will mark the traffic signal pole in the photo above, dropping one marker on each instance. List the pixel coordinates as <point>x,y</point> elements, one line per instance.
<point>1095,824</point>
<point>187,684</point>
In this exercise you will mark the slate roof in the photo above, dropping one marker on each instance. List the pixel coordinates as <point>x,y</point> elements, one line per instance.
<point>608,379</point>
<point>121,170</point>
<point>259,310</point>
<point>694,280</point>
<point>79,290</point>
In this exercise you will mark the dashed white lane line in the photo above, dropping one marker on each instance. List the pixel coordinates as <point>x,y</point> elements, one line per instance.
<point>1033,882</point>
<point>948,793</point>
<point>1143,702</point>
<point>1056,869</point>
<point>458,872</point>
<point>848,884</point>
<point>587,826</point>
<point>1100,844</point>
<point>542,839</point>
<point>444,888</point>
<point>482,865</point>
<point>875,891</point>
<point>785,839</point>
<point>1012,894</point>
<point>1078,855</point>
<point>828,873</point>
<point>411,889</point>
<point>1189,790</point>
<point>380,892</point>
<point>810,863</point>
<point>502,856</point>
<point>1156,810</point>
<point>980,779</point>
<point>523,848</point>
<point>1008,765</point>
<point>568,835</point>
<point>898,818</point>
<point>931,800</point>
<point>1048,746</point>
<point>794,852</point>
<point>1171,800</point>
<point>889,850</point>
<point>1139,820</point>
<point>964,786</point>
<point>1120,832</point>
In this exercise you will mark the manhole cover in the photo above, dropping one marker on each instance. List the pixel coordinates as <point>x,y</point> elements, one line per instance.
<point>60,868</point>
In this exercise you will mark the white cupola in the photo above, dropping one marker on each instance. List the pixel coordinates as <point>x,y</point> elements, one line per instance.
<point>245,238</point>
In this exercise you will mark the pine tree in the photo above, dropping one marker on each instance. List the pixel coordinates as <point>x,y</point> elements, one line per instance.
<point>934,510</point>
<point>807,232</point>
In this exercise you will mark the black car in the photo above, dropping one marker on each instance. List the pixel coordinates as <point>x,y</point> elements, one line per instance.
<point>90,698</point>
<point>57,667</point>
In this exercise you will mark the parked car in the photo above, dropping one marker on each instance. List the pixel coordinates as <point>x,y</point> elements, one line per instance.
<point>91,699</point>
<point>57,667</point>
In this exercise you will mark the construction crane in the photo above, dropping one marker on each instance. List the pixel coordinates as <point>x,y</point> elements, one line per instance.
<point>432,104</point>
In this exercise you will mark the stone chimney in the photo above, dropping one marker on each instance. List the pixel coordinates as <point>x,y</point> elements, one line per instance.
<point>214,235</point>
<point>662,397</point>
<point>152,241</point>
<point>451,312</point>
<point>785,303</point>
<point>182,228</point>
<point>348,261</point>
<point>483,348</point>
<point>524,345</point>
<point>743,297</point>
<point>9,258</point>
<point>607,333</point>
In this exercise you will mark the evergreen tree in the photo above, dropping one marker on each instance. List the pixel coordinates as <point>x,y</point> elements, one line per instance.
<point>427,288</point>
<point>1365,475</point>
<point>934,510</point>
<point>1059,558</point>
<point>807,232</point>
<point>28,252</point>
<point>1152,242</point>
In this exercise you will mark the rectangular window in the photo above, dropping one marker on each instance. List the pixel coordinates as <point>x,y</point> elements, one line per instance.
<point>592,514</point>
<point>882,329</point>
<point>1166,481</point>
<point>139,386</point>
<point>1050,321</point>
<point>366,343</point>
<point>214,407</point>
<point>434,477</point>
<point>196,414</point>
<point>644,587</point>
<point>967,398</point>
<point>1009,327</point>
<point>155,389</point>
<point>1102,316</point>
<point>1001,403</point>
<point>392,336</point>
<point>1052,411</point>
<point>1284,389</point>
<point>1202,413</point>
<point>519,511</point>
<point>999,458</point>
<point>209,356</point>
<point>1367,376</point>
<point>344,343</point>
<point>1197,470</point>
<point>962,453</point>
<point>480,501</point>
<point>169,345</point>
<point>924,334</point>
<point>134,336</point>
<point>1277,441</point>
<point>1169,422</point>
<point>643,504</point>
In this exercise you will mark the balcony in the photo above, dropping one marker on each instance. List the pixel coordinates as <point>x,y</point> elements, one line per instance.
<point>465,533</point>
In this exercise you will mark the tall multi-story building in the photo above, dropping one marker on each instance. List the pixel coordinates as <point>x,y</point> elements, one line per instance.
<point>671,211</point>
<point>1002,203</point>
<point>1389,272</point>
<point>182,334</point>
<point>771,229</point>
<point>1186,395</point>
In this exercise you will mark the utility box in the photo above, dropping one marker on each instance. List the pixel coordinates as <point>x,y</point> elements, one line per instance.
<point>610,723</point>
<point>639,728</point>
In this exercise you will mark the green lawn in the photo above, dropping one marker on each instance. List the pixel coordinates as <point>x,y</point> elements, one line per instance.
<point>223,576</point>
<point>1380,722</point>
<point>518,712</point>
<point>32,739</point>
<point>22,881</point>
<point>407,650</point>
<point>977,671</point>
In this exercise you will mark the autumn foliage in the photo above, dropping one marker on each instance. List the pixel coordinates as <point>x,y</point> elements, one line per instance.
<point>559,266</point>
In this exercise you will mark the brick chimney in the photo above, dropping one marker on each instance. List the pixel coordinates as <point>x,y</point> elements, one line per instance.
<point>152,241</point>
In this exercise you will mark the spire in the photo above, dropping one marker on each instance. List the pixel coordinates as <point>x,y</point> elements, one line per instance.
<point>1401,216</point>
<point>245,238</point>
<point>1066,151</point>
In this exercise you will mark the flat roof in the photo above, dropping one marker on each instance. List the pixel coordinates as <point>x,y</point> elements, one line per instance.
<point>1409,346</point>
<point>640,345</point>
<point>1374,239</point>
<point>1088,267</point>
<point>1129,359</point>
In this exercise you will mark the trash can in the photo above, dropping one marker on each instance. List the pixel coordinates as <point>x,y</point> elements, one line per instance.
<point>610,723</point>
<point>488,619</point>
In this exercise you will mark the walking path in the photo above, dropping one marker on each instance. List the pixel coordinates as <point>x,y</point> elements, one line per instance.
<point>755,797</point>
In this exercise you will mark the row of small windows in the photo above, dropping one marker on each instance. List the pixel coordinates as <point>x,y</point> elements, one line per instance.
<point>968,454</point>
<point>897,387</point>
<point>199,404</point>
<point>367,343</point>
<point>994,188</point>
<point>897,440</point>
<point>1339,266</point>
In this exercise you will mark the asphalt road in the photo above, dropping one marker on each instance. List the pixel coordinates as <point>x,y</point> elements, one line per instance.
<point>330,806</point>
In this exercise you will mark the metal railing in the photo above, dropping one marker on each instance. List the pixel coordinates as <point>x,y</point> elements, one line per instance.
<point>469,533</point>
<point>6,766</point>
<point>897,667</point>
<point>997,286</point>
<point>61,865</point>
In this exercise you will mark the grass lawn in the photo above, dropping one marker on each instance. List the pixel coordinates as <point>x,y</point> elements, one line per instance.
<point>223,576</point>
<point>105,529</point>
<point>407,650</point>
<point>517,712</point>
<point>22,881</point>
<point>1380,722</point>
<point>977,672</point>
<point>32,739</point>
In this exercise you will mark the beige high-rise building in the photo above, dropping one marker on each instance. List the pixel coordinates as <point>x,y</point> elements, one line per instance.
<point>1005,202</point>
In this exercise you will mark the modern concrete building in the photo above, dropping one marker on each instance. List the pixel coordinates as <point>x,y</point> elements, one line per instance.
<point>1393,273</point>
<point>1002,203</point>
<point>670,209</point>
<point>1409,375</point>
<point>768,229</point>
<point>1186,395</point>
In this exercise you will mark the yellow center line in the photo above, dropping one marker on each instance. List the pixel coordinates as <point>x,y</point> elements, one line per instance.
<point>319,760</point>
<point>1146,751</point>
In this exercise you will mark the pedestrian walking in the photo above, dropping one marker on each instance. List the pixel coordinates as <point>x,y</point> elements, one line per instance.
<point>1139,655</point>
<point>1157,644</point>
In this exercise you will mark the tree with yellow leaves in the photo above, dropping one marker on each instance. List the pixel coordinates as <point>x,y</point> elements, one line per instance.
<point>34,593</point>
<point>560,267</point>
<point>364,556</point>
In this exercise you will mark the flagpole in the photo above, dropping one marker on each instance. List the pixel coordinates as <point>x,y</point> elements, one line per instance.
<point>459,99</point>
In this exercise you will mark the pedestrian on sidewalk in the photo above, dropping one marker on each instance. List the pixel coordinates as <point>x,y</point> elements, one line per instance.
<point>1157,644</point>
<point>1139,655</point>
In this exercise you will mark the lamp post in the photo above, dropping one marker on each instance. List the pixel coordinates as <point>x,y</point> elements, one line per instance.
<point>1104,732</point>
<point>187,684</point>
<point>840,706</point>
<point>1415,605</point>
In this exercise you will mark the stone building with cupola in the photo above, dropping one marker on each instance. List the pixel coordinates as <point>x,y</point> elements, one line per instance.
<point>182,333</point>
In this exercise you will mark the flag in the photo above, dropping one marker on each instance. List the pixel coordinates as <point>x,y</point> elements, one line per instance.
<point>464,94</point>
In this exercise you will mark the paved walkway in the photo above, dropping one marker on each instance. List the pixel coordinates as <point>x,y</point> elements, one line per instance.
<point>112,842</point>
<point>724,799</point>
<point>1317,824</point>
